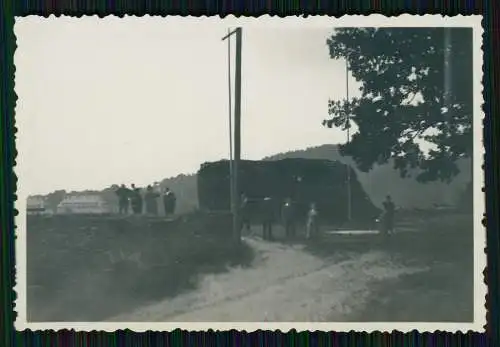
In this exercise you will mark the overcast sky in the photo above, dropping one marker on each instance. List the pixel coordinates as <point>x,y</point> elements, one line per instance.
<point>104,101</point>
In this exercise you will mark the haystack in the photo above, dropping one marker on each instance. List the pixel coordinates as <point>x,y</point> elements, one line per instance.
<point>304,180</point>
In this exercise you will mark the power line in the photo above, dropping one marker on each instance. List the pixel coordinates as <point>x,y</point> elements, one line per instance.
<point>348,125</point>
<point>231,182</point>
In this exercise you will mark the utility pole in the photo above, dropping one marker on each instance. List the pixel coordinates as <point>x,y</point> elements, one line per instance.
<point>235,198</point>
<point>231,183</point>
<point>237,132</point>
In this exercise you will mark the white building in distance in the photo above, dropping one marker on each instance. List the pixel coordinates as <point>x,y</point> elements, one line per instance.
<point>83,204</point>
<point>35,205</point>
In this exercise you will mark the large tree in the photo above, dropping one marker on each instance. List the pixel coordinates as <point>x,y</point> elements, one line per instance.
<point>416,87</point>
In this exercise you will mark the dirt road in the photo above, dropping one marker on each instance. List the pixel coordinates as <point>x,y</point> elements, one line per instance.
<point>284,283</point>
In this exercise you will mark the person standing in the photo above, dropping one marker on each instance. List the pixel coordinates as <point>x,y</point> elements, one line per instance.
<point>245,213</point>
<point>312,222</point>
<point>169,200</point>
<point>123,194</point>
<point>136,200</point>
<point>389,211</point>
<point>151,202</point>
<point>288,217</point>
<point>166,202</point>
<point>173,201</point>
<point>268,214</point>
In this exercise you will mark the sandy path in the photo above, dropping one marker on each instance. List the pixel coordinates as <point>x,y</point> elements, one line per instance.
<point>285,283</point>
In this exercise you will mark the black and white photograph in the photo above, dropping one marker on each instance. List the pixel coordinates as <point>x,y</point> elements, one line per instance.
<point>253,173</point>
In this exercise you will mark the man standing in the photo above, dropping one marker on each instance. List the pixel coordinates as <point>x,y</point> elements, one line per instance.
<point>166,202</point>
<point>136,200</point>
<point>169,200</point>
<point>151,203</point>
<point>123,194</point>
<point>288,217</point>
<point>173,202</point>
<point>312,222</point>
<point>245,213</point>
<point>389,210</point>
<point>268,215</point>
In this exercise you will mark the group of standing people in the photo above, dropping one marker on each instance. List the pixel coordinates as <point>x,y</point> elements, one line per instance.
<point>133,199</point>
<point>287,217</point>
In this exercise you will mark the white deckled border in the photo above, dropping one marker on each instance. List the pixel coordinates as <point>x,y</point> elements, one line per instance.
<point>375,20</point>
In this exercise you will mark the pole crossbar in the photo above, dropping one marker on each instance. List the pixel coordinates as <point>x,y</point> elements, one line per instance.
<point>231,33</point>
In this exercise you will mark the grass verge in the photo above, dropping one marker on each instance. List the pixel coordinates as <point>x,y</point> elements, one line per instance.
<point>88,269</point>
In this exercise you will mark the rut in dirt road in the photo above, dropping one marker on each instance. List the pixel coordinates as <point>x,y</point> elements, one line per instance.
<point>285,283</point>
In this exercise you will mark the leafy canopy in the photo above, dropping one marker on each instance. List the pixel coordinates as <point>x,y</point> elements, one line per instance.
<point>416,87</point>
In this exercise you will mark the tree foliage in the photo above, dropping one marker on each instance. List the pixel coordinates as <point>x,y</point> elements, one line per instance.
<point>416,87</point>
<point>53,199</point>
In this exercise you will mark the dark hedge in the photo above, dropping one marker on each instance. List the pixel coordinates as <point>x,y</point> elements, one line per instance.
<point>304,180</point>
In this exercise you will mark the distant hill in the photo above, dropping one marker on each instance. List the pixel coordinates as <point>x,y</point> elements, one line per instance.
<point>380,181</point>
<point>384,179</point>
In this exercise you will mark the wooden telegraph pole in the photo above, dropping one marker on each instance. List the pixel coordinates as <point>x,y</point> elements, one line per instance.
<point>235,191</point>
<point>237,133</point>
<point>231,169</point>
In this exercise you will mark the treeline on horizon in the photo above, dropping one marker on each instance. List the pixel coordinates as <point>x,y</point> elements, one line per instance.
<point>378,182</point>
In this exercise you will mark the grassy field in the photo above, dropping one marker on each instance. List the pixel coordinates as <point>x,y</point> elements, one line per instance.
<point>440,242</point>
<point>444,292</point>
<point>443,244</point>
<point>90,268</point>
